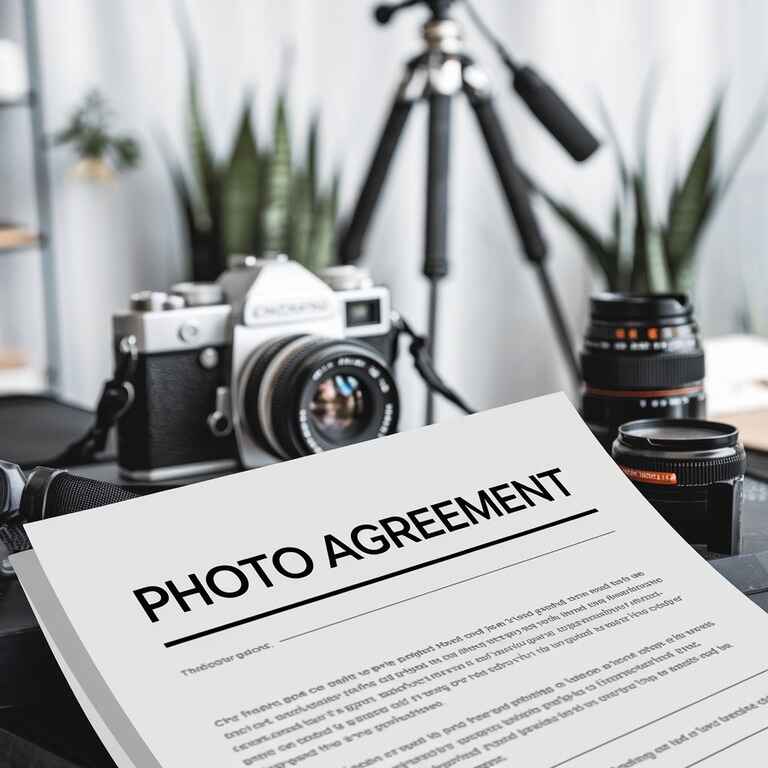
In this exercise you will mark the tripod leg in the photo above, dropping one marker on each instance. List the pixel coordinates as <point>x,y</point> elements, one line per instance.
<point>436,235</point>
<point>516,192</point>
<point>351,244</point>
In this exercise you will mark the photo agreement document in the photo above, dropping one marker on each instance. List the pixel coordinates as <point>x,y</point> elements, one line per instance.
<point>490,591</point>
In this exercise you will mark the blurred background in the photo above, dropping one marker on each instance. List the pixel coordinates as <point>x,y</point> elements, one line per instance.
<point>649,72</point>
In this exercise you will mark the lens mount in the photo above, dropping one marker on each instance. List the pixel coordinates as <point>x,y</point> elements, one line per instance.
<point>307,394</point>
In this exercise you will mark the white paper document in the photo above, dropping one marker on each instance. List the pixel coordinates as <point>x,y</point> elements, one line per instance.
<point>488,591</point>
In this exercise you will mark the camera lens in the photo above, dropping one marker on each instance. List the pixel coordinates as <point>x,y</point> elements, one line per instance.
<point>692,471</point>
<point>341,407</point>
<point>306,394</point>
<point>642,358</point>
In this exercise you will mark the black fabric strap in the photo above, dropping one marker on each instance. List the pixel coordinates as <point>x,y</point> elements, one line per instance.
<point>423,363</point>
<point>116,397</point>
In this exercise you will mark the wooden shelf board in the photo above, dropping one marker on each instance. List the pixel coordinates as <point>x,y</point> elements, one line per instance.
<point>17,238</point>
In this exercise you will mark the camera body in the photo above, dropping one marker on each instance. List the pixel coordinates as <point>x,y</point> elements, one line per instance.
<point>270,362</point>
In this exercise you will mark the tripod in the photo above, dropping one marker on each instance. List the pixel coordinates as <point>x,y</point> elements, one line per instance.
<point>440,72</point>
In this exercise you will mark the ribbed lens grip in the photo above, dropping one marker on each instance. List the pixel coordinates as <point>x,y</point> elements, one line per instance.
<point>687,471</point>
<point>632,371</point>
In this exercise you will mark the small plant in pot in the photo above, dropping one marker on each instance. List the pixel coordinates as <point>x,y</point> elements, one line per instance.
<point>89,131</point>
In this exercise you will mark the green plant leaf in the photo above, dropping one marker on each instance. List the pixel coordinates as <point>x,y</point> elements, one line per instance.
<point>743,146</point>
<point>650,271</point>
<point>603,254</point>
<point>691,202</point>
<point>323,237</point>
<point>639,281</point>
<point>240,195</point>
<point>277,184</point>
<point>312,159</point>
<point>197,240</point>
<point>299,229</point>
<point>625,176</point>
<point>201,155</point>
<point>335,191</point>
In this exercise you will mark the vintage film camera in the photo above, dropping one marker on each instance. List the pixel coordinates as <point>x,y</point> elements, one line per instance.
<point>271,362</point>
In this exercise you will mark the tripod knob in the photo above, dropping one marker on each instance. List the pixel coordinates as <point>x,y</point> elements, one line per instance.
<point>384,12</point>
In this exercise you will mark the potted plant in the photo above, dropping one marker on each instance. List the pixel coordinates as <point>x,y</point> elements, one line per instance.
<point>101,151</point>
<point>258,200</point>
<point>648,253</point>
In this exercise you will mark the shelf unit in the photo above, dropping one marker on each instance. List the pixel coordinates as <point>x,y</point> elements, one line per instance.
<point>42,243</point>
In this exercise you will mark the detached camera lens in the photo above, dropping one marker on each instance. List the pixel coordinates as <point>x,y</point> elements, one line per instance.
<point>306,394</point>
<point>642,358</point>
<point>692,472</point>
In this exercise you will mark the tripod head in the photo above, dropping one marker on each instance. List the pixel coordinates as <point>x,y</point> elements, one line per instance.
<point>384,12</point>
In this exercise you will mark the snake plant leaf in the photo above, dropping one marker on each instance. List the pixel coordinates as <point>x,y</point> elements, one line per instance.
<point>203,164</point>
<point>649,271</point>
<point>601,252</point>
<point>323,237</point>
<point>197,240</point>
<point>624,173</point>
<point>240,203</point>
<point>313,157</point>
<point>620,247</point>
<point>277,187</point>
<point>334,195</point>
<point>691,204</point>
<point>299,227</point>
<point>744,145</point>
<point>639,281</point>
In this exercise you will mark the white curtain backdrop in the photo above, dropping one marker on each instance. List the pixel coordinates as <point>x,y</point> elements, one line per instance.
<point>496,344</point>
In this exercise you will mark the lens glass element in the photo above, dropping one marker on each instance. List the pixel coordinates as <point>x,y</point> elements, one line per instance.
<point>341,407</point>
<point>307,394</point>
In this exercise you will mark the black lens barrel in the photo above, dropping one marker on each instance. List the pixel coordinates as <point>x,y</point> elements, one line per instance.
<point>696,452</point>
<point>644,371</point>
<point>692,472</point>
<point>641,358</point>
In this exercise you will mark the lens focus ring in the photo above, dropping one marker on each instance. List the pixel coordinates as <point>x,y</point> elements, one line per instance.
<point>307,394</point>
<point>643,371</point>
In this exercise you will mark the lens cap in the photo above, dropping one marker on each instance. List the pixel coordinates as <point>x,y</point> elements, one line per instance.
<point>692,451</point>
<point>628,307</point>
<point>679,434</point>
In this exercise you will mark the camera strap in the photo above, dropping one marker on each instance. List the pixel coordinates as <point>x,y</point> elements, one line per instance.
<point>116,398</point>
<point>422,361</point>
